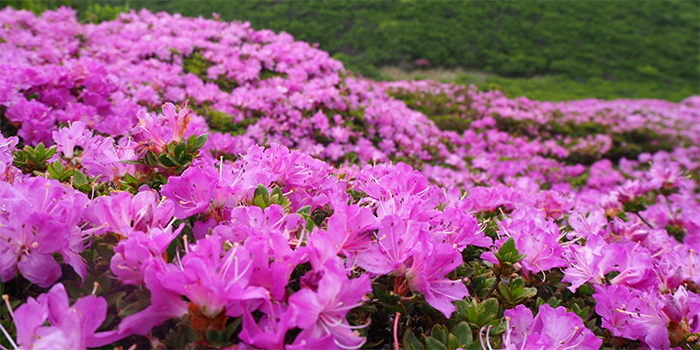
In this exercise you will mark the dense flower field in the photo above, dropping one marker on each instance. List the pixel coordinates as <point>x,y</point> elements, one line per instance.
<point>171,182</point>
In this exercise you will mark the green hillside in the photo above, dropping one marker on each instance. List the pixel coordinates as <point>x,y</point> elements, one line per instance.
<point>625,40</point>
<point>651,48</point>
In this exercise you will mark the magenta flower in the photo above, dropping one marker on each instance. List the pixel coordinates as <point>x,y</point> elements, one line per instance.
<point>648,316</point>
<point>460,229</point>
<point>124,213</point>
<point>39,218</point>
<point>214,282</point>
<point>535,236</point>
<point>396,242</point>
<point>320,309</point>
<point>166,304</point>
<point>131,254</point>
<point>350,227</point>
<point>71,326</point>
<point>587,226</point>
<point>68,138</point>
<point>550,329</point>
<point>589,263</point>
<point>268,333</point>
<point>427,275</point>
<point>553,204</point>
<point>191,193</point>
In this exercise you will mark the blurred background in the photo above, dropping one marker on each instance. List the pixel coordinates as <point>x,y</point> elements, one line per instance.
<point>545,50</point>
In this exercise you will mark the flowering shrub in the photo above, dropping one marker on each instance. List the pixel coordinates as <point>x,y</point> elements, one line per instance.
<point>173,182</point>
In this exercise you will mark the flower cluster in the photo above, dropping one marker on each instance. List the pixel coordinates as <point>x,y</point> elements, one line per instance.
<point>187,183</point>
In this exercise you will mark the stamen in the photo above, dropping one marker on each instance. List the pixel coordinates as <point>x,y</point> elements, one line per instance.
<point>481,340</point>
<point>396,327</point>
<point>46,196</point>
<point>488,339</point>
<point>221,167</point>
<point>571,336</point>
<point>94,288</point>
<point>272,309</point>
<point>507,340</point>
<point>6,298</point>
<point>7,335</point>
<point>179,261</point>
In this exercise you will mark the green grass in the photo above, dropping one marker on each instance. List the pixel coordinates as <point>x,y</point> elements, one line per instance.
<point>624,40</point>
<point>545,50</point>
<point>560,88</point>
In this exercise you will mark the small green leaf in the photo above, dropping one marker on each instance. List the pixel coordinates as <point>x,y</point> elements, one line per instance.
<point>131,180</point>
<point>410,342</point>
<point>434,344</point>
<point>180,149</point>
<point>439,333</point>
<point>304,211</point>
<point>151,159</point>
<point>463,334</point>
<point>214,336</point>
<point>55,170</point>
<point>191,143</point>
<point>114,297</point>
<point>453,343</point>
<point>201,140</point>
<point>260,202</point>
<point>39,149</point>
<point>79,179</point>
<point>50,152</point>
<point>508,254</point>
<point>261,191</point>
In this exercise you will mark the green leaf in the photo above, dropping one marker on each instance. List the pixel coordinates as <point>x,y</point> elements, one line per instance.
<point>304,211</point>
<point>453,343</point>
<point>180,149</point>
<point>463,334</point>
<point>232,327</point>
<point>174,159</point>
<point>151,159</point>
<point>410,342</point>
<point>214,336</point>
<point>79,179</point>
<point>262,192</point>
<point>439,333</point>
<point>432,343</point>
<point>201,140</point>
<point>56,169</point>
<point>483,313</point>
<point>131,180</point>
<point>105,250</point>
<point>462,309</point>
<point>142,302</point>
<point>114,297</point>
<point>260,202</point>
<point>508,254</point>
<point>554,302</point>
<point>191,143</point>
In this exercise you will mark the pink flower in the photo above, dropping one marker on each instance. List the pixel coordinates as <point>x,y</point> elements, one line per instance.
<point>550,329</point>
<point>320,312</point>
<point>428,276</point>
<point>71,326</point>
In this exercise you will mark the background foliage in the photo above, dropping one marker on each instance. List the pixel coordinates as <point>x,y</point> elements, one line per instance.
<point>604,49</point>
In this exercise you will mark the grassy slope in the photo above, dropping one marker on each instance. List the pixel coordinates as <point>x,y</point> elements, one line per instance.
<point>605,49</point>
